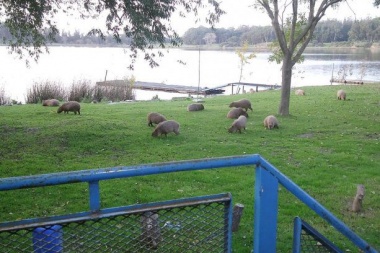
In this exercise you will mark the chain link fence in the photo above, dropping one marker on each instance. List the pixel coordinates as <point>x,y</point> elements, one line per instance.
<point>196,227</point>
<point>307,239</point>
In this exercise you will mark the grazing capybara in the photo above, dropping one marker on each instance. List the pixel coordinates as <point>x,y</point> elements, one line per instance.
<point>270,122</point>
<point>166,127</point>
<point>195,107</point>
<point>155,118</point>
<point>238,124</point>
<point>300,92</point>
<point>242,103</point>
<point>50,102</point>
<point>71,106</point>
<point>236,112</point>
<point>341,94</point>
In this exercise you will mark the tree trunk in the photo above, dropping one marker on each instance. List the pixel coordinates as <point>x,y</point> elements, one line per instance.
<point>285,86</point>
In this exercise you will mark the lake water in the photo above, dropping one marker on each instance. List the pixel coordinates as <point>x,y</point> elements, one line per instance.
<point>68,64</point>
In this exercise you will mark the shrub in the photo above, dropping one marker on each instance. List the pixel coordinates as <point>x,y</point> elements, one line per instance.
<point>81,91</point>
<point>4,99</point>
<point>45,90</point>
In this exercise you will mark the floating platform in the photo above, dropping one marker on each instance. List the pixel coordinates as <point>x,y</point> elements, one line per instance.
<point>191,90</point>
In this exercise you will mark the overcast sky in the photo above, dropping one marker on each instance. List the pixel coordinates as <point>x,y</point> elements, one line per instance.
<point>240,12</point>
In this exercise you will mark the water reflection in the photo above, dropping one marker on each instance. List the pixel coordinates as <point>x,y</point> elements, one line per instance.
<point>68,64</point>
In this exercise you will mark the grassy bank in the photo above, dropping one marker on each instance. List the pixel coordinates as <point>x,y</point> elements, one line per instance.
<point>326,146</point>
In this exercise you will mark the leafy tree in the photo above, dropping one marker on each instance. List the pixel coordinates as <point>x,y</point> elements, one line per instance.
<point>32,23</point>
<point>294,30</point>
<point>367,30</point>
<point>209,38</point>
<point>195,36</point>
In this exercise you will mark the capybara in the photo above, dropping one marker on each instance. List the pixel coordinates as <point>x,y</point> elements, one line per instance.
<point>300,92</point>
<point>238,124</point>
<point>270,122</point>
<point>71,106</point>
<point>341,94</point>
<point>195,107</point>
<point>357,204</point>
<point>166,127</point>
<point>155,118</point>
<point>236,112</point>
<point>50,102</point>
<point>242,103</point>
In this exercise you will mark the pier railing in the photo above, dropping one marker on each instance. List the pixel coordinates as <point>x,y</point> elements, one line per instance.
<point>203,223</point>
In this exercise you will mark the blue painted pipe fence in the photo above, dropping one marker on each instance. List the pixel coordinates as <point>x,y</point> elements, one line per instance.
<point>268,179</point>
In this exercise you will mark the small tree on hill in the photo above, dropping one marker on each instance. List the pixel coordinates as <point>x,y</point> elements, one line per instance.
<point>294,30</point>
<point>243,58</point>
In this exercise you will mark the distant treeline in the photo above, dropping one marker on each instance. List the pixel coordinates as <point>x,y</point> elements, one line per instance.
<point>331,30</point>
<point>328,31</point>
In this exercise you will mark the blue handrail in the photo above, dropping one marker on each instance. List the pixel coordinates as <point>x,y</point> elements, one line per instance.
<point>267,179</point>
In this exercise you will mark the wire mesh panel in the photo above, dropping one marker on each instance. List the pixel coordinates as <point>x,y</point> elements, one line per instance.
<point>307,239</point>
<point>198,225</point>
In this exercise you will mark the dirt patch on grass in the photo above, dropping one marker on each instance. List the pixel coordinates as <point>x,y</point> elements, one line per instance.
<point>306,135</point>
<point>373,136</point>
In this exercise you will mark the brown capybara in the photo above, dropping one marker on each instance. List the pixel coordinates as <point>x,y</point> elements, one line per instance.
<point>242,103</point>
<point>300,92</point>
<point>236,112</point>
<point>155,118</point>
<point>71,106</point>
<point>270,122</point>
<point>50,102</point>
<point>166,127</point>
<point>238,124</point>
<point>341,94</point>
<point>195,107</point>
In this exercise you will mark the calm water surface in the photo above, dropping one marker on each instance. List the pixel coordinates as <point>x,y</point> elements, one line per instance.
<point>68,64</point>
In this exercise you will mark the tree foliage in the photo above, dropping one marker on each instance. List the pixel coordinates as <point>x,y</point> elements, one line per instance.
<point>32,24</point>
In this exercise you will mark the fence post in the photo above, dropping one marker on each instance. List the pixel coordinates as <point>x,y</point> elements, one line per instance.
<point>94,195</point>
<point>266,207</point>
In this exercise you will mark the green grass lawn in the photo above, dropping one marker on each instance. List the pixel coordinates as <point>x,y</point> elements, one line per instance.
<point>326,146</point>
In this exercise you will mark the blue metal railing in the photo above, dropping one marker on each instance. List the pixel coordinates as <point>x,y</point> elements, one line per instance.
<point>266,199</point>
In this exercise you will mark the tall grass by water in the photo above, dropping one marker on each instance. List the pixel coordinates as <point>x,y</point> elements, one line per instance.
<point>326,146</point>
<point>80,90</point>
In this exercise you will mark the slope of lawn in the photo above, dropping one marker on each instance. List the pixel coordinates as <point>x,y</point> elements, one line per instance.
<point>326,146</point>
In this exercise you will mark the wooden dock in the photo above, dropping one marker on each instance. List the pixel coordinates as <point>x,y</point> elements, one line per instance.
<point>255,85</point>
<point>191,90</point>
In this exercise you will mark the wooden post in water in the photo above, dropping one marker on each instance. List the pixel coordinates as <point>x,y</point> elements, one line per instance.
<point>105,77</point>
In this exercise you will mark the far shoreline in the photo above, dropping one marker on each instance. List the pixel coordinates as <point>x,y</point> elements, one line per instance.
<point>262,47</point>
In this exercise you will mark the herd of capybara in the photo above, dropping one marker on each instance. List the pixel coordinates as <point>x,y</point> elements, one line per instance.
<point>239,113</point>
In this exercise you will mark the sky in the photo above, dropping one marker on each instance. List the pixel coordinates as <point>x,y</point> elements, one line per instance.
<point>241,12</point>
